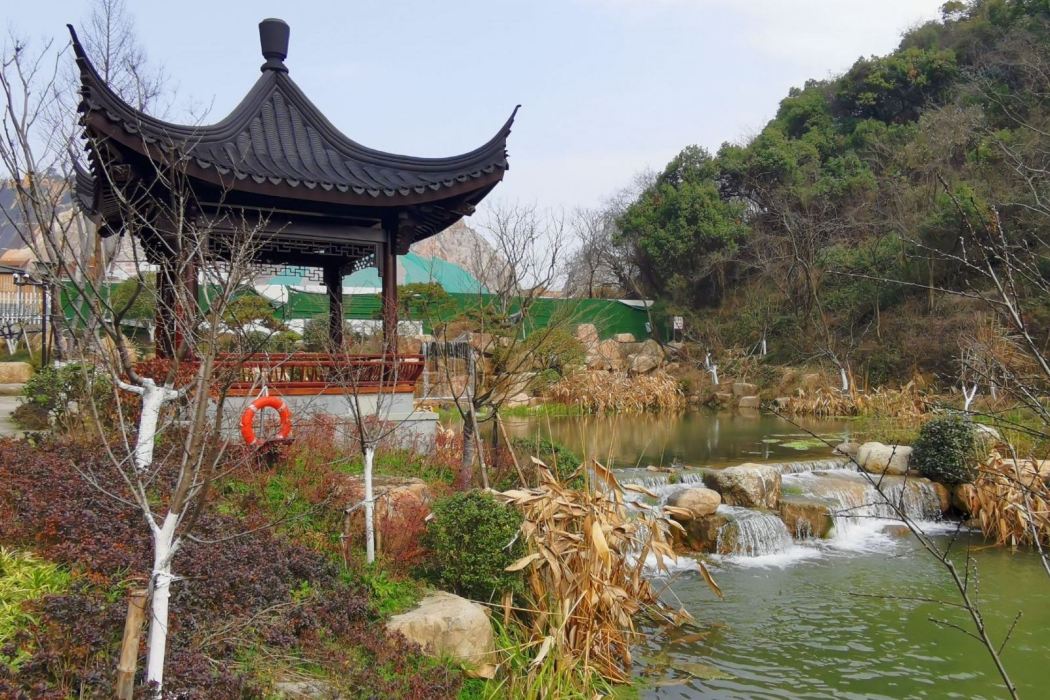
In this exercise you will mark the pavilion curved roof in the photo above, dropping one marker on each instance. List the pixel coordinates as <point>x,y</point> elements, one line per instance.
<point>277,142</point>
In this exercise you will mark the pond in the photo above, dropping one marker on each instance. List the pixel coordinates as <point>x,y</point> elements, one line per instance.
<point>840,617</point>
<point>695,439</point>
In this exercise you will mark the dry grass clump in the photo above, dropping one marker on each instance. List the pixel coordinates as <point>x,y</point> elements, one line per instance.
<point>908,401</point>
<point>585,582</point>
<point>1011,499</point>
<point>597,391</point>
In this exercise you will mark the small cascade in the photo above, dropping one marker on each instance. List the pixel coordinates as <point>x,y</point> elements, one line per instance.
<point>752,533</point>
<point>835,463</point>
<point>858,504</point>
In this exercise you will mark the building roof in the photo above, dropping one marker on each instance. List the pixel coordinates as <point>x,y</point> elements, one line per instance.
<point>277,143</point>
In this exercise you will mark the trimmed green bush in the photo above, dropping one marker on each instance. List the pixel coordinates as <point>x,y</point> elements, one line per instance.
<point>562,461</point>
<point>946,450</point>
<point>474,538</point>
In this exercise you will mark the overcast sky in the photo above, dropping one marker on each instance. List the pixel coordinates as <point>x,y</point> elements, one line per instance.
<point>607,87</point>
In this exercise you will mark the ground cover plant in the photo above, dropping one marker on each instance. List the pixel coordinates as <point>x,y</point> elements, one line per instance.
<point>248,609</point>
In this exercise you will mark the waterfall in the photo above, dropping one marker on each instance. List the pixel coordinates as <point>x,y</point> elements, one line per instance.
<point>752,533</point>
<point>814,465</point>
<point>860,510</point>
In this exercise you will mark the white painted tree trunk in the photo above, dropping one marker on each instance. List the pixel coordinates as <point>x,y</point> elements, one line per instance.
<point>764,346</point>
<point>153,397</point>
<point>370,532</point>
<point>164,546</point>
<point>968,396</point>
<point>845,380</point>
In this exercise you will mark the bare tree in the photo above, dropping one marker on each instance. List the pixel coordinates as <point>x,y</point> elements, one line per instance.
<point>504,344</point>
<point>182,397</point>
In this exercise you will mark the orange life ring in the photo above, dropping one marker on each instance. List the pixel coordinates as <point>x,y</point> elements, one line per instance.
<point>248,418</point>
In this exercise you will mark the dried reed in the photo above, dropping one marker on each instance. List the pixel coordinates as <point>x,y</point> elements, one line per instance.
<point>908,401</point>
<point>619,392</point>
<point>587,550</point>
<point>1011,499</point>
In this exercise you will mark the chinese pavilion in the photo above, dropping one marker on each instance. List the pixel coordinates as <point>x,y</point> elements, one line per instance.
<point>322,203</point>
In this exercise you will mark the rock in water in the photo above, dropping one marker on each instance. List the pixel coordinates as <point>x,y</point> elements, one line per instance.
<point>747,485</point>
<point>751,402</point>
<point>447,625</point>
<point>699,501</point>
<point>744,389</point>
<point>877,458</point>
<point>806,516</point>
<point>701,534</point>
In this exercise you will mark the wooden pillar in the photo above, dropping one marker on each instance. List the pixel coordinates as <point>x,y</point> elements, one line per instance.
<point>177,306</point>
<point>388,269</point>
<point>164,319</point>
<point>333,282</point>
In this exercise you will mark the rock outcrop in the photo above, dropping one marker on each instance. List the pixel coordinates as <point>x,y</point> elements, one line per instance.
<point>877,458</point>
<point>700,534</point>
<point>807,516</point>
<point>748,485</point>
<point>447,625</point>
<point>749,402</point>
<point>648,357</point>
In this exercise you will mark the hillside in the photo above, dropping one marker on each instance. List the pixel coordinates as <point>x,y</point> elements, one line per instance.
<point>462,245</point>
<point>835,230</point>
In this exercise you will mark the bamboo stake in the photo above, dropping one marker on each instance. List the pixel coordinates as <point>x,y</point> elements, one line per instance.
<point>129,648</point>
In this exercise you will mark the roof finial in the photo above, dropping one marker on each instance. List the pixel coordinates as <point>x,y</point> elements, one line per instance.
<point>273,36</point>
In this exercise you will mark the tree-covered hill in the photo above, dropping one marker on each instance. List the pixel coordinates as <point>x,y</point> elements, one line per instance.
<point>832,230</point>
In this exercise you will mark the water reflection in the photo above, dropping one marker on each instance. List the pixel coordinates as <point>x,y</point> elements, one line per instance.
<point>692,439</point>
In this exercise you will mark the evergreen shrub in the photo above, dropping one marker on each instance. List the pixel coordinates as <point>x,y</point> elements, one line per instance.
<point>474,538</point>
<point>946,450</point>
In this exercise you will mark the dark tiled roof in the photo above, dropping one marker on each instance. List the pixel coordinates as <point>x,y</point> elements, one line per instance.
<point>277,136</point>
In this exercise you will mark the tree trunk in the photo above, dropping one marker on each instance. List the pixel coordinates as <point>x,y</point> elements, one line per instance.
<point>370,532</point>
<point>164,546</point>
<point>466,465</point>
<point>153,397</point>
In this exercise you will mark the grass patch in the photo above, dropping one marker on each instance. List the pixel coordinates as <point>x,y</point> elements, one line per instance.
<point>391,596</point>
<point>23,578</point>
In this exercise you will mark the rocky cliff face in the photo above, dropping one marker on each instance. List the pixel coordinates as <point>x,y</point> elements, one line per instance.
<point>462,245</point>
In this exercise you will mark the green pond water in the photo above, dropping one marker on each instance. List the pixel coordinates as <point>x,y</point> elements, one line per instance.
<point>835,618</point>
<point>695,439</point>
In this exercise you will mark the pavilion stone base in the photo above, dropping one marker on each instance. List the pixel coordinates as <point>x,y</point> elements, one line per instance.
<point>413,428</point>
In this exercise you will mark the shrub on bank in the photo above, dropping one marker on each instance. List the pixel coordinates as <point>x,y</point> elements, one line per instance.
<point>474,538</point>
<point>283,600</point>
<point>563,462</point>
<point>946,450</point>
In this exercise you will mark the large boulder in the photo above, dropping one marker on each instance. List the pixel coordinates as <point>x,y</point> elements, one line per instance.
<point>751,402</point>
<point>606,355</point>
<point>964,498</point>
<point>744,389</point>
<point>748,485</point>
<point>699,534</point>
<point>15,372</point>
<point>877,458</point>
<point>806,516</point>
<point>847,448</point>
<point>648,357</point>
<point>587,334</point>
<point>402,505</point>
<point>447,625</point>
<point>624,338</point>
<point>944,496</point>
<point>699,501</point>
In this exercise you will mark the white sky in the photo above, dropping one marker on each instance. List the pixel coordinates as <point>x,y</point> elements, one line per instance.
<point>608,87</point>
